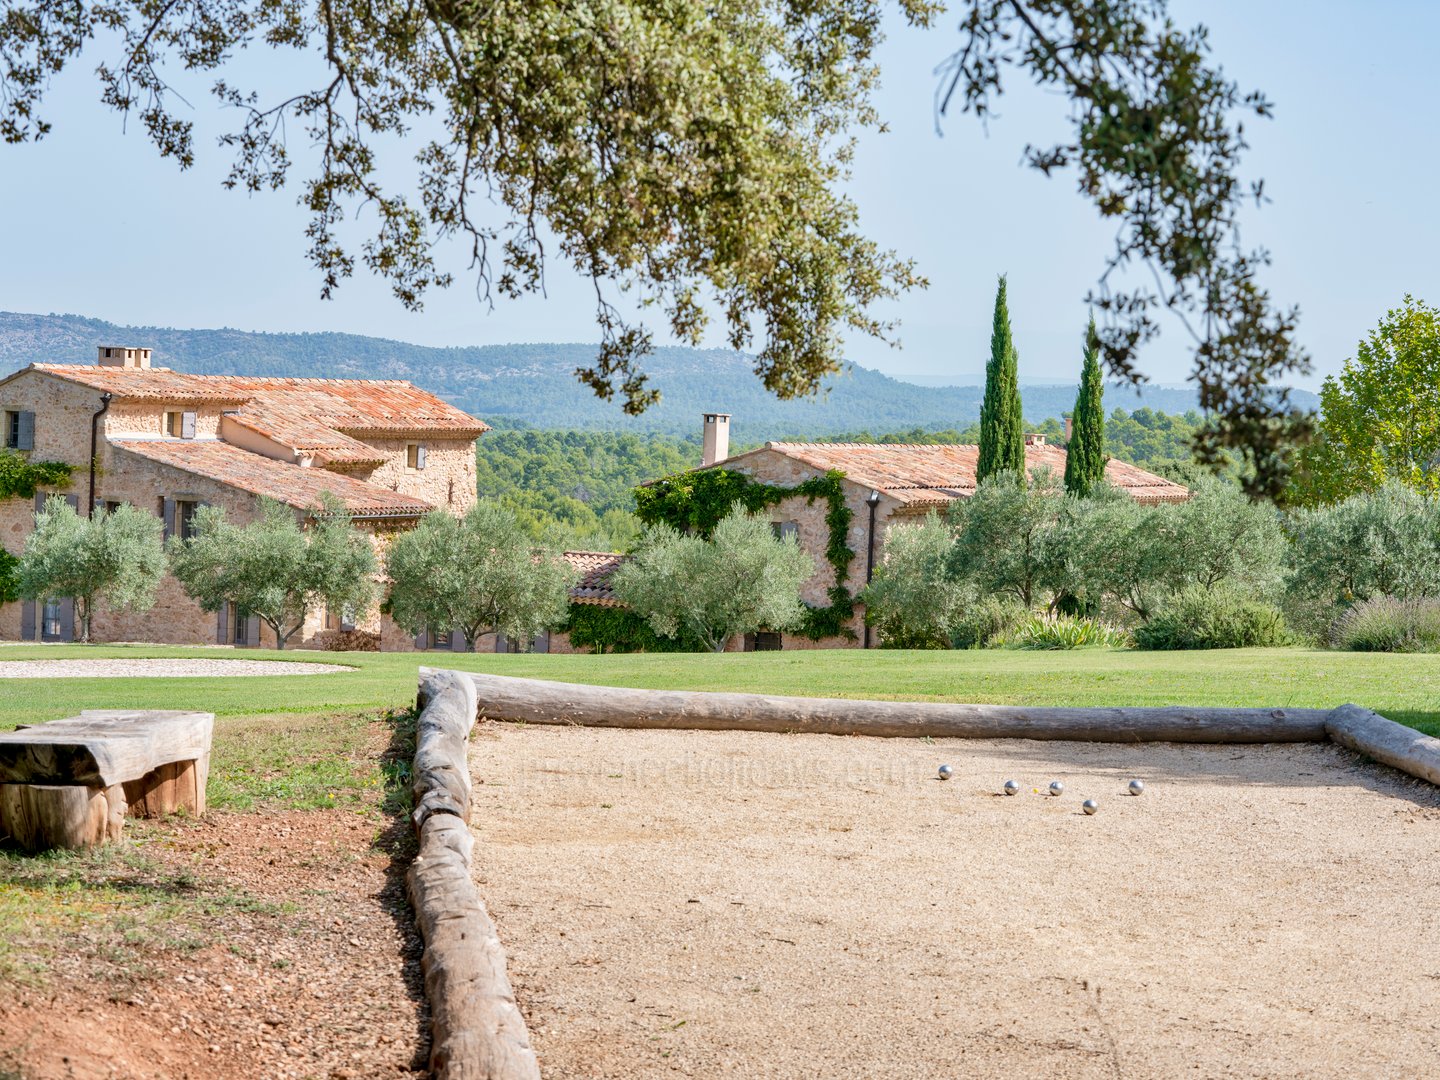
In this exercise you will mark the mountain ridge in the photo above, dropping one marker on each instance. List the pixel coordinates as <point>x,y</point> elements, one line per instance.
<point>533,385</point>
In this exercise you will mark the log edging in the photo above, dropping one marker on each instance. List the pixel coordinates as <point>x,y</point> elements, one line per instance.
<point>477,1030</point>
<point>537,701</point>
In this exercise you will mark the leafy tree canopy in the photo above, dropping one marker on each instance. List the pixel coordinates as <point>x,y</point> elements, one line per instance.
<point>912,600</point>
<point>1380,416</point>
<point>742,579</point>
<point>476,574</point>
<point>275,567</point>
<point>690,153</point>
<point>116,557</point>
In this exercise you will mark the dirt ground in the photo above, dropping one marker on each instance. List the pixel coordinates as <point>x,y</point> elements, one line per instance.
<point>738,904</point>
<point>304,964</point>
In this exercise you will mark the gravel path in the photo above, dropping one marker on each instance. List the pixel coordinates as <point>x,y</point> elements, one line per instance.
<point>157,669</point>
<point>740,904</point>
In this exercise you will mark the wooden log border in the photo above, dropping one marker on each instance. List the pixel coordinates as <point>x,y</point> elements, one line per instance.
<point>477,1030</point>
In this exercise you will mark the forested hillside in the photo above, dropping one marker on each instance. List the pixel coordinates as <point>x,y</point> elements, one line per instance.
<point>534,385</point>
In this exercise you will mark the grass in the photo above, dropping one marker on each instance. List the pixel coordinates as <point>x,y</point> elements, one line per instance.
<point>316,729</point>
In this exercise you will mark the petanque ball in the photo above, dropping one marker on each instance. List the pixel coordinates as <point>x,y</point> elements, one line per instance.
<point>1056,787</point>
<point>1011,787</point>
<point>1090,806</point>
<point>1137,787</point>
<point>945,771</point>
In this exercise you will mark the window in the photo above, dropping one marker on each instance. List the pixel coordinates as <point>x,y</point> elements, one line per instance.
<point>180,425</point>
<point>415,455</point>
<point>20,430</point>
<point>783,529</point>
<point>185,518</point>
<point>51,627</point>
<point>111,505</point>
<point>240,627</point>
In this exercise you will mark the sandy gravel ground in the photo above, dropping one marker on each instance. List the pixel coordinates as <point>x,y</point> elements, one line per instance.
<point>739,904</point>
<point>174,669</point>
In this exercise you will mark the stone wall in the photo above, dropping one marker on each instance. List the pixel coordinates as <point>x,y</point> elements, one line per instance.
<point>447,481</point>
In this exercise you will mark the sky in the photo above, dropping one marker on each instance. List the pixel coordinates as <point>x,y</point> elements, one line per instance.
<point>95,223</point>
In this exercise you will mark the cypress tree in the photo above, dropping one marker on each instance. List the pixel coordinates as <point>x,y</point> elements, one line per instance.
<point>1002,438</point>
<point>1085,456</point>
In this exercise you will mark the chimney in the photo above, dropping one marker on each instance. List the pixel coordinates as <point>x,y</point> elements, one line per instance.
<point>1069,429</point>
<point>1035,438</point>
<point>123,357</point>
<point>715,443</point>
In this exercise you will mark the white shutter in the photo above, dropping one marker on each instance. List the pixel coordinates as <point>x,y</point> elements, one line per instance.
<point>420,456</point>
<point>187,425</point>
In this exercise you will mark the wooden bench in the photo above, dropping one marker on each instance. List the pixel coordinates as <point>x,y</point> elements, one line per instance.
<point>70,783</point>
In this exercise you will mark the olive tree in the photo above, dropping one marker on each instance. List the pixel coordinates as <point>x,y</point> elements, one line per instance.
<point>279,567</point>
<point>114,556</point>
<point>913,600</point>
<point>477,574</point>
<point>1004,536</point>
<point>742,579</point>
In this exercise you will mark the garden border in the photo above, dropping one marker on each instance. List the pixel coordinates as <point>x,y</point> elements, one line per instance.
<point>478,1031</point>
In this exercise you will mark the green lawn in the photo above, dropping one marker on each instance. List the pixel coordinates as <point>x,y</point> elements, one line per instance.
<point>1404,687</point>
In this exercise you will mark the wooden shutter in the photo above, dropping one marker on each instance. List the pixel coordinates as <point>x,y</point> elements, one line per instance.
<point>25,431</point>
<point>67,619</point>
<point>542,641</point>
<point>168,513</point>
<point>74,501</point>
<point>187,425</point>
<point>27,621</point>
<point>422,640</point>
<point>222,624</point>
<point>420,456</point>
<point>500,645</point>
<point>457,641</point>
<point>40,501</point>
<point>252,631</point>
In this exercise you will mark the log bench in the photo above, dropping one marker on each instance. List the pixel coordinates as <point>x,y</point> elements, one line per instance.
<point>70,783</point>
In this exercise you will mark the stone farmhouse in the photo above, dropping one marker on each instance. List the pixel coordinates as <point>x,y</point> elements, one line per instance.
<point>884,485</point>
<point>170,442</point>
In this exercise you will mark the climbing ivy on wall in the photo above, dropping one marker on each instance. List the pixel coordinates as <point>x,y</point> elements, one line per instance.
<point>20,477</point>
<point>696,501</point>
<point>618,630</point>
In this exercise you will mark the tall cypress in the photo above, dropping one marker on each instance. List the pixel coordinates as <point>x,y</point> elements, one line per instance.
<point>1085,456</point>
<point>1002,435</point>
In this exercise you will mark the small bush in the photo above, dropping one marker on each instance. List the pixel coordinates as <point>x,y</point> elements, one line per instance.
<point>1213,619</point>
<point>1389,624</point>
<point>1064,632</point>
<point>986,622</point>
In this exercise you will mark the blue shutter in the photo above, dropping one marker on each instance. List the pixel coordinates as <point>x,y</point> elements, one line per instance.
<point>500,645</point>
<point>74,501</point>
<point>252,631</point>
<point>168,513</point>
<point>422,641</point>
<point>457,640</point>
<point>222,624</point>
<point>27,621</point>
<point>67,619</point>
<point>25,431</point>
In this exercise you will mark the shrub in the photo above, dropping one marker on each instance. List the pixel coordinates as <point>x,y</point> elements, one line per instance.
<point>912,601</point>
<point>1064,632</point>
<point>1200,618</point>
<point>1389,624</point>
<point>986,622</point>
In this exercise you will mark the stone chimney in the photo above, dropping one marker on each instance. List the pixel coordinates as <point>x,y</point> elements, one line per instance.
<point>122,357</point>
<point>715,442</point>
<point>1035,438</point>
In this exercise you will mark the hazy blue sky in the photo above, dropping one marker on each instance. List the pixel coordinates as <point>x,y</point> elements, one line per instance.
<point>95,223</point>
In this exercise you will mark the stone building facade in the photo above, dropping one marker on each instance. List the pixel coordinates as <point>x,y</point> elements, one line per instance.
<point>886,485</point>
<point>167,441</point>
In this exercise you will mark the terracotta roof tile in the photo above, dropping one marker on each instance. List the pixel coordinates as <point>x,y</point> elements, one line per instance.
<point>371,406</point>
<point>292,484</point>
<point>595,569</point>
<point>933,475</point>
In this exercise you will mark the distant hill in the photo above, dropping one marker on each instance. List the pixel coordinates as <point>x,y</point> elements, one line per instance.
<point>534,385</point>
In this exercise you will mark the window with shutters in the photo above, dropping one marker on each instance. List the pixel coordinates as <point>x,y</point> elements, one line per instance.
<point>415,455</point>
<point>174,424</point>
<point>20,430</point>
<point>185,517</point>
<point>51,627</point>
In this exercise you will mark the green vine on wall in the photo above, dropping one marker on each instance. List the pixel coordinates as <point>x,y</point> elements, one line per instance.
<point>617,630</point>
<point>696,501</point>
<point>19,477</point>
